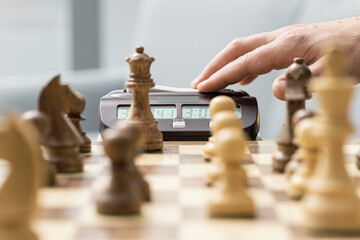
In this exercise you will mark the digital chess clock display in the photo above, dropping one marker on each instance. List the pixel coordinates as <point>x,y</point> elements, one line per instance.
<point>169,112</point>
<point>181,115</point>
<point>196,112</point>
<point>159,112</point>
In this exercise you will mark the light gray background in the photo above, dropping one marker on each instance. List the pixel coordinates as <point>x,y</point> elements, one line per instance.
<point>40,38</point>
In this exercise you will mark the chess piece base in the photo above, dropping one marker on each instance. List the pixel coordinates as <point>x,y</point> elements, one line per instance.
<point>282,156</point>
<point>50,172</point>
<point>330,205</point>
<point>17,233</point>
<point>65,159</point>
<point>237,205</point>
<point>118,204</point>
<point>86,147</point>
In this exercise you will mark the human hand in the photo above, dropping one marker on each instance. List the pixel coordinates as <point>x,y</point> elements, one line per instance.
<point>245,58</point>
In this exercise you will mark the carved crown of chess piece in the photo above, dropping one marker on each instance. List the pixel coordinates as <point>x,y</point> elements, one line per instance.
<point>217,104</point>
<point>18,195</point>
<point>297,77</point>
<point>76,107</point>
<point>140,82</point>
<point>61,145</point>
<point>331,202</point>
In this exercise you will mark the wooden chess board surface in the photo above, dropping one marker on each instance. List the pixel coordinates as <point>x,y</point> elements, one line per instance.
<point>179,197</point>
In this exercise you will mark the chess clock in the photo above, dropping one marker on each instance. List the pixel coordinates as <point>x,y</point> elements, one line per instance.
<point>182,115</point>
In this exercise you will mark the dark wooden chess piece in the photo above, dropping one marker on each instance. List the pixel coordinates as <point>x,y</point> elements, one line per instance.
<point>358,160</point>
<point>297,77</point>
<point>120,197</point>
<point>42,125</point>
<point>61,145</point>
<point>77,106</point>
<point>140,82</point>
<point>134,131</point>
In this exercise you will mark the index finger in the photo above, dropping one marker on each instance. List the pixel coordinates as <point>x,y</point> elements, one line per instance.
<point>232,51</point>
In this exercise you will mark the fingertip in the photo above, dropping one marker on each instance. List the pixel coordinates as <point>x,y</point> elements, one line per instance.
<point>194,84</point>
<point>279,87</point>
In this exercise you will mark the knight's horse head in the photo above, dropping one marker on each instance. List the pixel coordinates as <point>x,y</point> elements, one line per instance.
<point>53,97</point>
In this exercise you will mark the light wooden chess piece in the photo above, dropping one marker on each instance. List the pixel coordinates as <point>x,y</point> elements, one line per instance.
<point>76,107</point>
<point>231,199</point>
<point>296,159</point>
<point>331,202</point>
<point>121,196</point>
<point>222,120</point>
<point>297,77</point>
<point>140,82</point>
<point>217,104</point>
<point>307,152</point>
<point>61,145</point>
<point>42,125</point>
<point>135,132</point>
<point>19,192</point>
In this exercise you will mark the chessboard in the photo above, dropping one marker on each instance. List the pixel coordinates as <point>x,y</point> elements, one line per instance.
<point>179,198</point>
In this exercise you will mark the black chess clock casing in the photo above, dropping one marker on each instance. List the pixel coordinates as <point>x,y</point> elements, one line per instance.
<point>182,116</point>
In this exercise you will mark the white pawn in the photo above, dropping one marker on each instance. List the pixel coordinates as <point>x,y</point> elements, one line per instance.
<point>218,104</point>
<point>307,152</point>
<point>225,119</point>
<point>231,198</point>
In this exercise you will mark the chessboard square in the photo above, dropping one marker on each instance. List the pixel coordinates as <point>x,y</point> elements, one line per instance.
<point>158,214</point>
<point>351,149</point>
<point>195,197</point>
<point>163,183</point>
<point>230,229</point>
<point>191,149</point>
<point>192,170</point>
<point>352,170</point>
<point>55,229</point>
<point>289,212</point>
<point>262,159</point>
<point>157,159</point>
<point>262,198</point>
<point>274,182</point>
<point>252,170</point>
<point>63,198</point>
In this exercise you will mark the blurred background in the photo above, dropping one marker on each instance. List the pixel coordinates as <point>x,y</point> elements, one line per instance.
<point>87,40</point>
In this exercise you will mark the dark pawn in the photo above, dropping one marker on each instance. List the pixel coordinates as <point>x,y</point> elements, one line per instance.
<point>42,125</point>
<point>297,77</point>
<point>119,197</point>
<point>134,130</point>
<point>76,107</point>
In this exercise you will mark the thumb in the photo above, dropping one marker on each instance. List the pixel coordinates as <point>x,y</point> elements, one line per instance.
<point>279,84</point>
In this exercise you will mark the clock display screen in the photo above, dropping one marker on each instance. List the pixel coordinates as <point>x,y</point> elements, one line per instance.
<point>198,112</point>
<point>158,112</point>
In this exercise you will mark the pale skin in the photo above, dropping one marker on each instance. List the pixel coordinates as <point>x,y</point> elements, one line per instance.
<point>245,58</point>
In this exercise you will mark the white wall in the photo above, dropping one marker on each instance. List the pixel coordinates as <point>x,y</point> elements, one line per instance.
<point>34,36</point>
